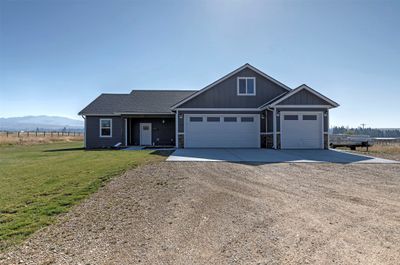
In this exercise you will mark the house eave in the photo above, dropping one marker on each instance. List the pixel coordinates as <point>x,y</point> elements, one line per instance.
<point>128,113</point>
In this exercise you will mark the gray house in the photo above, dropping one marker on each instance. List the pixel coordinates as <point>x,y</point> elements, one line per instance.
<point>244,109</point>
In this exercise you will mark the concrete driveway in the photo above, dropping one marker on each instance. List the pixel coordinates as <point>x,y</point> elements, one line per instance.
<point>273,156</point>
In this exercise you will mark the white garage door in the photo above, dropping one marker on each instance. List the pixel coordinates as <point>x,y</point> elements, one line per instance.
<point>224,130</point>
<point>301,130</point>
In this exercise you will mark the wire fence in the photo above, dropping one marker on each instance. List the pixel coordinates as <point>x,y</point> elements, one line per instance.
<point>39,133</point>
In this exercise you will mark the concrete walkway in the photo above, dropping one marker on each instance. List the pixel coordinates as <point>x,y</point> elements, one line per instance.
<point>274,156</point>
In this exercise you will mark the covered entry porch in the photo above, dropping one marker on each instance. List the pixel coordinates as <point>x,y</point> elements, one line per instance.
<point>150,130</point>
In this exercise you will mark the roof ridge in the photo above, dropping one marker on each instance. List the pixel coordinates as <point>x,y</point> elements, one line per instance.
<point>114,94</point>
<point>164,90</point>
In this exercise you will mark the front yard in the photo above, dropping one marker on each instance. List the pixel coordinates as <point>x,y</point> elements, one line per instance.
<point>229,213</point>
<point>41,181</point>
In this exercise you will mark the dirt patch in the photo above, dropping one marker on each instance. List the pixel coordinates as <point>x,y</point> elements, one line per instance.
<point>227,213</point>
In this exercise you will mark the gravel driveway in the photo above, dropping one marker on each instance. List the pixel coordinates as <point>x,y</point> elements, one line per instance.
<point>227,213</point>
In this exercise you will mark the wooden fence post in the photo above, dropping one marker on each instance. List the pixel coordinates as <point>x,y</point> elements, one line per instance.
<point>18,134</point>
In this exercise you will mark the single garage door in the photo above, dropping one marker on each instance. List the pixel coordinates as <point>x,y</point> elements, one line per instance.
<point>224,130</point>
<point>301,130</point>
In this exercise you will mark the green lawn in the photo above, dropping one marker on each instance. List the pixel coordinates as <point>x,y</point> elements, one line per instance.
<point>38,182</point>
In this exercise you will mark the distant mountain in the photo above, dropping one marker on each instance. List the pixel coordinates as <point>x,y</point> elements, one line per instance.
<point>40,122</point>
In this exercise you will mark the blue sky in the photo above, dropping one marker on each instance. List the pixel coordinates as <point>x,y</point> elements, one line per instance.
<point>56,56</point>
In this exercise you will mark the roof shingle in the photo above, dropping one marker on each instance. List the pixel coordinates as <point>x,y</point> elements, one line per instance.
<point>138,101</point>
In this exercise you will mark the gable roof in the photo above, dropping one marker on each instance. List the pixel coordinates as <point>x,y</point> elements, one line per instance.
<point>138,101</point>
<point>226,77</point>
<point>296,90</point>
<point>264,106</point>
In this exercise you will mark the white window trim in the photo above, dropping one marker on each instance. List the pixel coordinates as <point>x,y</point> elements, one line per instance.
<point>245,78</point>
<point>105,136</point>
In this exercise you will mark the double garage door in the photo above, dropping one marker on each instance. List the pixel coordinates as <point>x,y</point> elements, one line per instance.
<point>298,130</point>
<point>301,130</point>
<point>222,131</point>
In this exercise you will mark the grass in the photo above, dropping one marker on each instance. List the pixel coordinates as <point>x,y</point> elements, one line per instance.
<point>40,181</point>
<point>384,150</point>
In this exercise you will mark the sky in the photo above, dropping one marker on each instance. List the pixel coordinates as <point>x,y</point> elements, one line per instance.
<point>56,55</point>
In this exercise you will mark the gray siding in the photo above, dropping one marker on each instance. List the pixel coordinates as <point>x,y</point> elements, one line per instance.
<point>304,97</point>
<point>224,94</point>
<point>93,139</point>
<point>162,133</point>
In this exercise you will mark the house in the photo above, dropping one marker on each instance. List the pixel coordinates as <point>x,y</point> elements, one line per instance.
<point>244,109</point>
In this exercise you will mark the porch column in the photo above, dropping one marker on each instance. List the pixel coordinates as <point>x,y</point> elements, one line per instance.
<point>176,128</point>
<point>126,131</point>
<point>274,123</point>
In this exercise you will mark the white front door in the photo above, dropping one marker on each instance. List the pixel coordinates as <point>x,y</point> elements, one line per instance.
<point>145,134</point>
<point>222,131</point>
<point>301,130</point>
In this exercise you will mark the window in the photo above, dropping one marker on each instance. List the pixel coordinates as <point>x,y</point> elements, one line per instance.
<point>309,117</point>
<point>230,119</point>
<point>105,128</point>
<point>213,119</point>
<point>291,117</point>
<point>246,86</point>
<point>247,119</point>
<point>196,119</point>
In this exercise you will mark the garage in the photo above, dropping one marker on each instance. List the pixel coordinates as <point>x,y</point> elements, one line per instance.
<point>301,130</point>
<point>222,131</point>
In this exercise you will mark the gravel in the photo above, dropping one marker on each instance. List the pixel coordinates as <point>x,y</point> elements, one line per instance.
<point>229,213</point>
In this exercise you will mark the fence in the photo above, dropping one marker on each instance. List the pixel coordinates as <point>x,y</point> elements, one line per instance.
<point>39,133</point>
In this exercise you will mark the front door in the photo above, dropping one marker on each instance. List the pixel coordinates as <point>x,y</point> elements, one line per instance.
<point>145,134</point>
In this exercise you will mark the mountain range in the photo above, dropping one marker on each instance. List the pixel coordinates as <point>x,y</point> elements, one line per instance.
<point>41,122</point>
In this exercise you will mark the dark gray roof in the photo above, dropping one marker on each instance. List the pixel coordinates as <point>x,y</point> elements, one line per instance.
<point>138,101</point>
